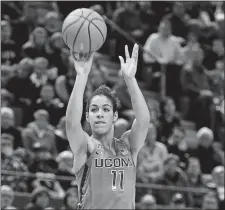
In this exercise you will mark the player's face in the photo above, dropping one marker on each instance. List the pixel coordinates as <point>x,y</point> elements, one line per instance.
<point>101,115</point>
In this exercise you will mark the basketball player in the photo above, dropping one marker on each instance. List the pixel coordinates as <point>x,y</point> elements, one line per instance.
<point>105,167</point>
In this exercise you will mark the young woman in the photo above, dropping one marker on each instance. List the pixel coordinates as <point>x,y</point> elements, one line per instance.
<point>105,167</point>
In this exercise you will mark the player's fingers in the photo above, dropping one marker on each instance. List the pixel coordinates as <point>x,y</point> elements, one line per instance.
<point>121,61</point>
<point>135,52</point>
<point>127,53</point>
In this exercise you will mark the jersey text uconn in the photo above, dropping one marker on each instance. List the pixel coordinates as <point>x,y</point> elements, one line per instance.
<point>113,162</point>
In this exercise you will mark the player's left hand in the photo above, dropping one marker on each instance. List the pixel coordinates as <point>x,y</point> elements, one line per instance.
<point>129,67</point>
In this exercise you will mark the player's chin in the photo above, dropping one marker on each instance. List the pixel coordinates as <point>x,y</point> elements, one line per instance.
<point>101,131</point>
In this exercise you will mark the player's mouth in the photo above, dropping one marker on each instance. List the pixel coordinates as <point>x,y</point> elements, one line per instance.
<point>99,122</point>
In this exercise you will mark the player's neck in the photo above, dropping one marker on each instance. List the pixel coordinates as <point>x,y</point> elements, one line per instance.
<point>106,139</point>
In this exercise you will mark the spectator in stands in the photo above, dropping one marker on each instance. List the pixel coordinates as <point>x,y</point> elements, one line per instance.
<point>173,176</point>
<point>6,98</point>
<point>9,50</point>
<point>8,126</point>
<point>218,179</point>
<point>148,202</point>
<point>176,145</point>
<point>39,77</point>
<point>7,197</point>
<point>207,155</point>
<point>217,79</point>
<point>150,166</point>
<point>11,163</point>
<point>61,140</point>
<point>40,131</point>
<point>188,50</point>
<point>71,199</point>
<point>52,22</point>
<point>64,83</point>
<point>168,119</point>
<point>36,46</point>
<point>40,199</point>
<point>7,72</point>
<point>179,20</point>
<point>56,48</point>
<point>195,85</point>
<point>213,54</point>
<point>210,201</point>
<point>165,50</point>
<point>127,18</point>
<point>52,105</point>
<point>178,202</point>
<point>19,84</point>
<point>65,168</point>
<point>195,180</point>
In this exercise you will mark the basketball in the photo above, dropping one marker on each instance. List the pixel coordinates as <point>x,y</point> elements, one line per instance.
<point>84,30</point>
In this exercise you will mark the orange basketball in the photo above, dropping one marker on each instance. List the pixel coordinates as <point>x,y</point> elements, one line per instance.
<point>84,30</point>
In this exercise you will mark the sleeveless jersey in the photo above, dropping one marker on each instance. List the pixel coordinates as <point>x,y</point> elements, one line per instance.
<point>108,181</point>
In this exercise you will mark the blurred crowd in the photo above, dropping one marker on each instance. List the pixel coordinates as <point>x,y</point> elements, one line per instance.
<point>183,45</point>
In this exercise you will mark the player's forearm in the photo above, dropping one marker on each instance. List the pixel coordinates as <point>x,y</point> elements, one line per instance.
<point>139,105</point>
<point>75,106</point>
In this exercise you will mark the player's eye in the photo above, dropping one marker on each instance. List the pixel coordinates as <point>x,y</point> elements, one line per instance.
<point>106,110</point>
<point>93,109</point>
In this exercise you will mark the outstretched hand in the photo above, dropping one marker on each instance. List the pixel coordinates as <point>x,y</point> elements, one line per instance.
<point>129,67</point>
<point>82,62</point>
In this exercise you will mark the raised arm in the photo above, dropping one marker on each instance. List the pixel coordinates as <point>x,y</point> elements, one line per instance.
<point>137,135</point>
<point>78,139</point>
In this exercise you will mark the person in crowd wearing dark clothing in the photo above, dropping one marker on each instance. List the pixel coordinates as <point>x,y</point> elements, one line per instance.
<point>207,155</point>
<point>10,52</point>
<point>168,119</point>
<point>48,102</point>
<point>36,46</point>
<point>64,83</point>
<point>195,180</point>
<point>179,20</point>
<point>40,199</point>
<point>213,54</point>
<point>177,145</point>
<point>173,176</point>
<point>19,83</point>
<point>8,126</point>
<point>65,168</point>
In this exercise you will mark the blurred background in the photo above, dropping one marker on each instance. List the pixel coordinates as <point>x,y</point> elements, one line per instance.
<point>180,72</point>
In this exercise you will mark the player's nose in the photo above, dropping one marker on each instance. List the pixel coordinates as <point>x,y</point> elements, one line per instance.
<point>100,113</point>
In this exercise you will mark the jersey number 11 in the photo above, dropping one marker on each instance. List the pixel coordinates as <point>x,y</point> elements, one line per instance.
<point>115,174</point>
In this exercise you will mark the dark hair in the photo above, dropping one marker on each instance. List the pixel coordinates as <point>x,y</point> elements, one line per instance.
<point>105,91</point>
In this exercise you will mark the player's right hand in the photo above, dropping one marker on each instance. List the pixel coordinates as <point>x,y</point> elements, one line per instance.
<point>82,62</point>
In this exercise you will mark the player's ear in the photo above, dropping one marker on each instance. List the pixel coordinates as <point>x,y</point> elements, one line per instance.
<point>87,116</point>
<point>115,116</point>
